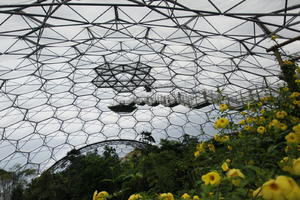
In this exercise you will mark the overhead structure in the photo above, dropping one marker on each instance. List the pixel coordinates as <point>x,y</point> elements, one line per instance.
<point>125,149</point>
<point>63,63</point>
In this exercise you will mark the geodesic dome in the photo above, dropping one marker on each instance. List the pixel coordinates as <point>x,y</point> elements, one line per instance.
<point>79,72</point>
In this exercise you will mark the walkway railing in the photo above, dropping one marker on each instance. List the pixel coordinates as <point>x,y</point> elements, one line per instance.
<point>201,98</point>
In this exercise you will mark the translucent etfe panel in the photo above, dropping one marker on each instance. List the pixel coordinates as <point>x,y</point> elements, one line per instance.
<point>105,1</point>
<point>257,6</point>
<point>12,2</point>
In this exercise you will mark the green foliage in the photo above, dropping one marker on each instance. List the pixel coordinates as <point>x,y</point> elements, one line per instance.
<point>84,175</point>
<point>169,167</point>
<point>258,146</point>
<point>12,183</point>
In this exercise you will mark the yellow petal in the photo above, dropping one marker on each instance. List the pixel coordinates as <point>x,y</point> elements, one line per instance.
<point>95,195</point>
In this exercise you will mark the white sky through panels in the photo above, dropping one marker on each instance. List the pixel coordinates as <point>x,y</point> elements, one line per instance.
<point>64,62</point>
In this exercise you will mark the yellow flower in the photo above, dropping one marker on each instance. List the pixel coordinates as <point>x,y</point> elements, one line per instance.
<point>166,196</point>
<point>228,160</point>
<point>229,147</point>
<point>291,166</point>
<point>135,197</point>
<point>287,149</point>
<point>297,81</point>
<point>274,123</point>
<point>294,120</point>
<point>274,37</point>
<point>217,137</point>
<point>262,111</point>
<point>287,168</point>
<point>223,107</point>
<point>225,167</point>
<point>292,138</point>
<point>186,196</point>
<point>285,159</point>
<point>212,178</point>
<point>263,99</point>
<point>261,130</point>
<point>223,138</point>
<point>100,196</point>
<point>196,197</point>
<point>297,129</point>
<point>285,89</point>
<point>281,114</point>
<point>235,173</point>
<point>271,190</point>
<point>197,154</point>
<point>256,193</point>
<point>296,103</point>
<point>200,147</point>
<point>249,120</point>
<point>282,188</point>
<point>283,126</point>
<point>288,62</point>
<point>296,166</point>
<point>242,122</point>
<point>285,163</point>
<point>247,128</point>
<point>221,123</point>
<point>211,147</point>
<point>294,95</point>
<point>261,119</point>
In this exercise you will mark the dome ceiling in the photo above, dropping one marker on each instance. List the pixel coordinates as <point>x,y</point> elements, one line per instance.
<point>65,63</point>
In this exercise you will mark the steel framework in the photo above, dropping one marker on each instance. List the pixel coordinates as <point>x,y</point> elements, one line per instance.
<point>65,62</point>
